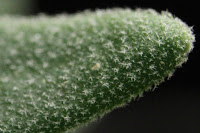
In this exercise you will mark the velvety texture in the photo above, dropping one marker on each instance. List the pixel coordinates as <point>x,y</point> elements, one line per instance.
<point>60,72</point>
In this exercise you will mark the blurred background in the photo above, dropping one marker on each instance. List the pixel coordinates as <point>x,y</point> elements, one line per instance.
<point>20,7</point>
<point>174,107</point>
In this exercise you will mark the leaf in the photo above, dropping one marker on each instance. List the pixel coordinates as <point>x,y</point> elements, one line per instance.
<point>58,73</point>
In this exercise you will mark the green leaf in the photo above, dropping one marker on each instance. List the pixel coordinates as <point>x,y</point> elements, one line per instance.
<point>58,73</point>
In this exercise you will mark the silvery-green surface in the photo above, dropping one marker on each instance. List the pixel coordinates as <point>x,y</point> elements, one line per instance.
<point>57,73</point>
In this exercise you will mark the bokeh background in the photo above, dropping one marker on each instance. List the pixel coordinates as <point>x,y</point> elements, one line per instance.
<point>174,107</point>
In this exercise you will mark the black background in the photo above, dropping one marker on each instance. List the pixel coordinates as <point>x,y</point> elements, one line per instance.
<point>174,107</point>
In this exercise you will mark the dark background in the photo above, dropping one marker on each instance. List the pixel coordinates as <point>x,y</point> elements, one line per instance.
<point>174,107</point>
